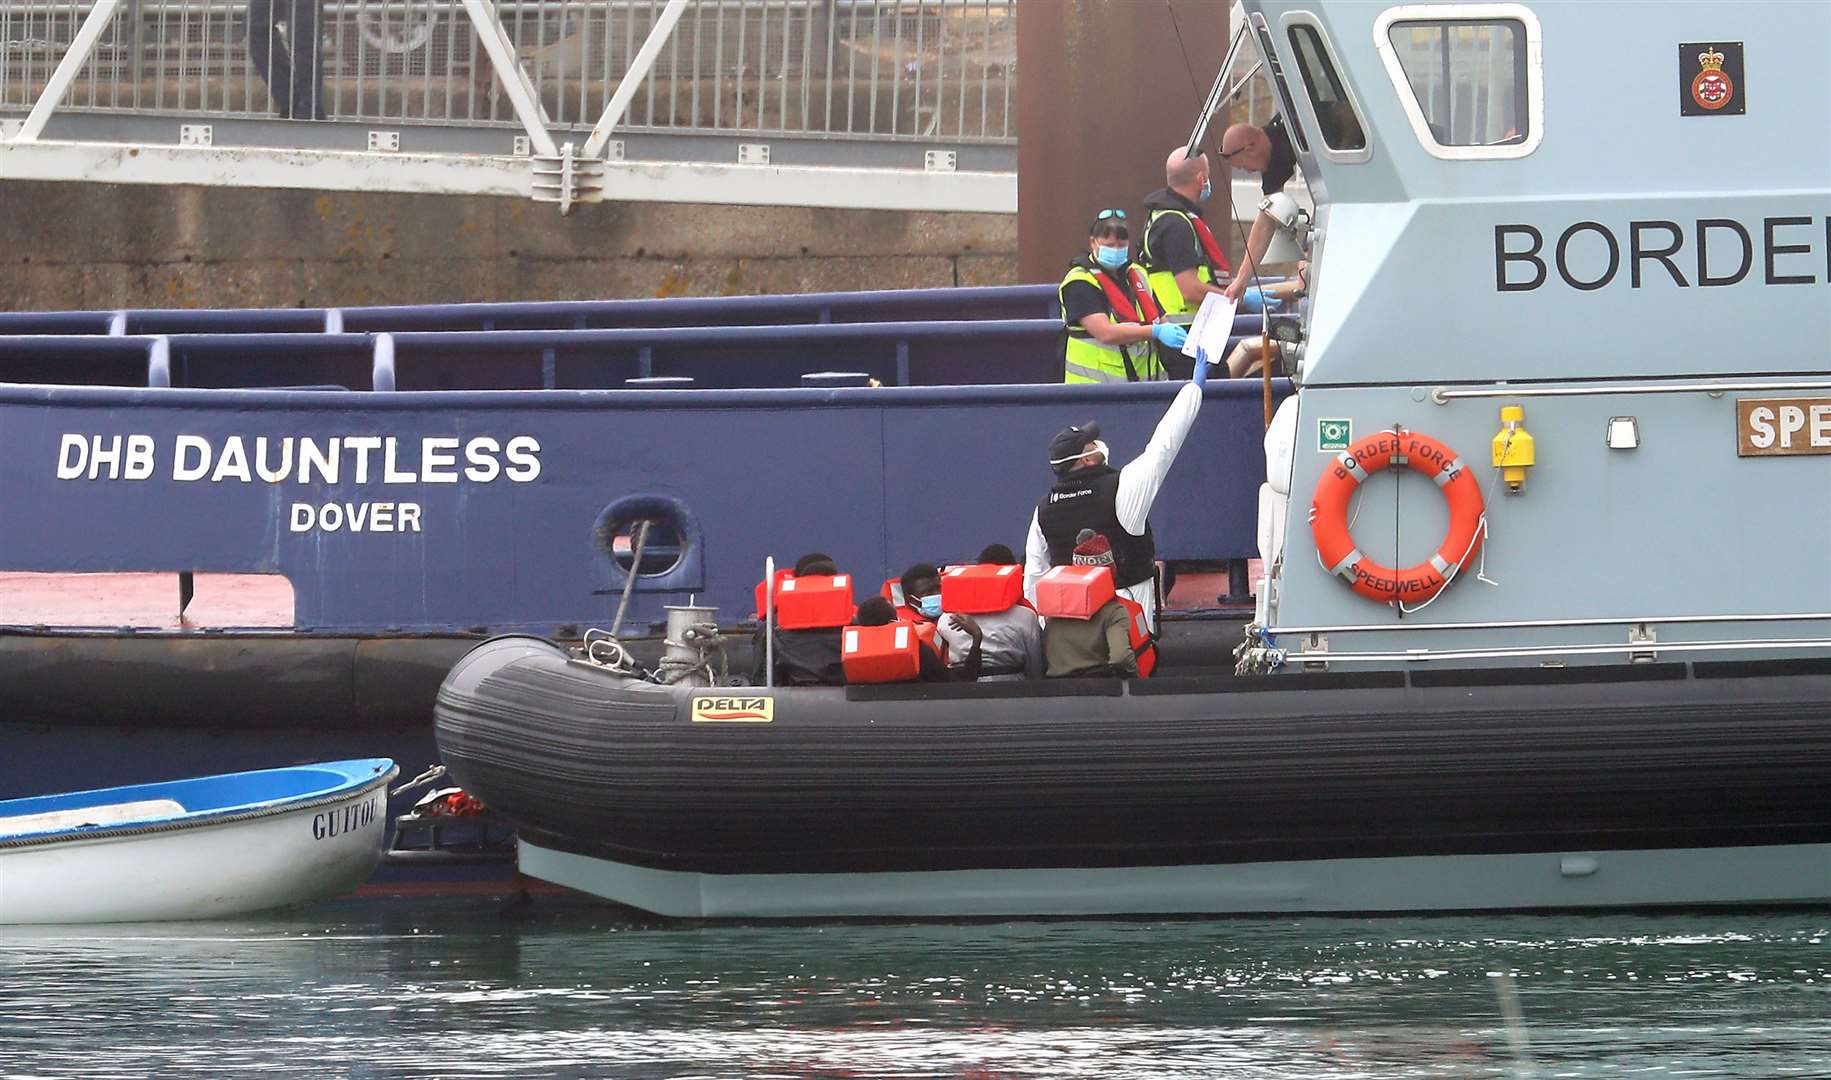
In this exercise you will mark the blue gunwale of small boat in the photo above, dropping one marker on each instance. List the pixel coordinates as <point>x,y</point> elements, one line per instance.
<point>206,798</point>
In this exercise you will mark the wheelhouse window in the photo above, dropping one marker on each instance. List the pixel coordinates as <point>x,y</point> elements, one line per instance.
<point>1336,118</point>
<point>1470,77</point>
<point>1299,139</point>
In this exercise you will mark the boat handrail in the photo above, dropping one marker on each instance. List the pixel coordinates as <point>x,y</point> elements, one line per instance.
<point>1443,395</point>
<point>972,303</point>
<point>1528,624</point>
<point>1636,649</point>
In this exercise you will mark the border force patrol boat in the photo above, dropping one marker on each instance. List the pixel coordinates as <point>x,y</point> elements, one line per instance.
<point>1550,628</point>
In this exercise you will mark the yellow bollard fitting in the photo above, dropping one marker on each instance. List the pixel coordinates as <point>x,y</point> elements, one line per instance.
<point>1513,452</point>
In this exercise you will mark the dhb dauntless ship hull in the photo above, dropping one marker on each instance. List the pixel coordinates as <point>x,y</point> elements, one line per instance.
<point>1432,790</point>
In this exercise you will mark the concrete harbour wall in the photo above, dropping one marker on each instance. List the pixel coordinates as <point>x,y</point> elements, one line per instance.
<point>101,246</point>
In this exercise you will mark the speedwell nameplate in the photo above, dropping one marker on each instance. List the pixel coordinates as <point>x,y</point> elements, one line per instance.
<point>1775,427</point>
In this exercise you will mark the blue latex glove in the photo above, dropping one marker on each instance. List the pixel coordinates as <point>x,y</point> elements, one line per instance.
<point>1201,367</point>
<point>1170,335</point>
<point>1255,301</point>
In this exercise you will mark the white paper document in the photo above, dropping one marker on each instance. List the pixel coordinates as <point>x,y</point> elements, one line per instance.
<point>1212,326</point>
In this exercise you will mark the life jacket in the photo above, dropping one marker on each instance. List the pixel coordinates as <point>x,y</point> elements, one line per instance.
<point>893,592</point>
<point>1163,280</point>
<point>763,589</point>
<point>1087,360</point>
<point>817,602</point>
<point>982,588</point>
<point>1087,498</point>
<point>880,654</point>
<point>1082,592</point>
<point>1074,592</point>
<point>1138,632</point>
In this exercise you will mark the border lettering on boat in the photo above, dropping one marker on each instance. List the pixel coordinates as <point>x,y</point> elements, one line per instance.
<point>340,820</point>
<point>729,709</point>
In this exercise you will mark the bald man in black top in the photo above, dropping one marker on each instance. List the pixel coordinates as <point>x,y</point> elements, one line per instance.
<point>1266,151</point>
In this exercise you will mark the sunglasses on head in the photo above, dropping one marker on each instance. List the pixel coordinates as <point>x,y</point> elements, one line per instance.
<point>1104,214</point>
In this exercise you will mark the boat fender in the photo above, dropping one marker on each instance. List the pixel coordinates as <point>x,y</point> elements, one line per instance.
<point>1281,446</point>
<point>1336,549</point>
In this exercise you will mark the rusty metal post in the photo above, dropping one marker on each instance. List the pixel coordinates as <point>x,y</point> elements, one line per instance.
<point>1102,95</point>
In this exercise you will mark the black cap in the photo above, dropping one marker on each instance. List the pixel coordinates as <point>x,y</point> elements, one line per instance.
<point>1070,441</point>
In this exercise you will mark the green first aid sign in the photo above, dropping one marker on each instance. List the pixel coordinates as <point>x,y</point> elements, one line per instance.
<point>1334,435</point>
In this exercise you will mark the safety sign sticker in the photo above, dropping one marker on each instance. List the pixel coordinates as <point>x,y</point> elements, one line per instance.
<point>1333,435</point>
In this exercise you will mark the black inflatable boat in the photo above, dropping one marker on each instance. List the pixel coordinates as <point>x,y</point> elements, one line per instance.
<point>1433,789</point>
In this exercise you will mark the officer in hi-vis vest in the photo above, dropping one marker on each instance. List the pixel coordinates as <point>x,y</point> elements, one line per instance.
<point>1109,311</point>
<point>1184,260</point>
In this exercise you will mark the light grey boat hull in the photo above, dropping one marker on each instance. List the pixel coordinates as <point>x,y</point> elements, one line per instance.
<point>1696,877</point>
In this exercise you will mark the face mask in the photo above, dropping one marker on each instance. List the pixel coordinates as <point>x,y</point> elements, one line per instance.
<point>1099,448</point>
<point>930,606</point>
<point>1207,189</point>
<point>1113,258</point>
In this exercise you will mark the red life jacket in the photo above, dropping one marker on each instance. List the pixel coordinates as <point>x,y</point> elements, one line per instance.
<point>1073,592</point>
<point>1217,259</point>
<point>1138,307</point>
<point>880,654</point>
<point>810,603</point>
<point>763,589</point>
<point>893,592</point>
<point>981,588</point>
<point>1141,288</point>
<point>1144,645</point>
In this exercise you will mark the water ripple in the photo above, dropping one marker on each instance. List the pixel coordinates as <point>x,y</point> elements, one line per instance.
<point>449,988</point>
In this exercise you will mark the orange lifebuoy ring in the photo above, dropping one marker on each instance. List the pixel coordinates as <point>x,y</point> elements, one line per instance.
<point>1329,516</point>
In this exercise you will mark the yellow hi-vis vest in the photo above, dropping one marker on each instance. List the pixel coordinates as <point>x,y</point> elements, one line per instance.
<point>1086,360</point>
<point>1163,283</point>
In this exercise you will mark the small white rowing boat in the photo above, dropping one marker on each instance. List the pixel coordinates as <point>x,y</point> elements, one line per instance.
<point>193,849</point>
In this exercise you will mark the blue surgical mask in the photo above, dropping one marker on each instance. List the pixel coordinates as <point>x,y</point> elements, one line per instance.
<point>1207,189</point>
<point>929,606</point>
<point>1114,258</point>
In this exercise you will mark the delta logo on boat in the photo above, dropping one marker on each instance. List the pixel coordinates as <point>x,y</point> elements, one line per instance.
<point>733,710</point>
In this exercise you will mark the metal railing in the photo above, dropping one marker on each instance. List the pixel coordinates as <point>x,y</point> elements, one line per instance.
<point>967,304</point>
<point>882,69</point>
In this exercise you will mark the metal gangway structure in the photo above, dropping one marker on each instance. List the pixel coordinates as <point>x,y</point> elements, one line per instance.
<point>893,104</point>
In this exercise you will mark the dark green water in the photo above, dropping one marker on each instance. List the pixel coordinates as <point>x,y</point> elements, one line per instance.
<point>452,988</point>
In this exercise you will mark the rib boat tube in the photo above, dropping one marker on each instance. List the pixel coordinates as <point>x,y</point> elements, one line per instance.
<point>1424,790</point>
<point>206,847</point>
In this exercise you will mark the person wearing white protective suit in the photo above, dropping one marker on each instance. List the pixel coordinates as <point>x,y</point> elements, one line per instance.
<point>1116,503</point>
